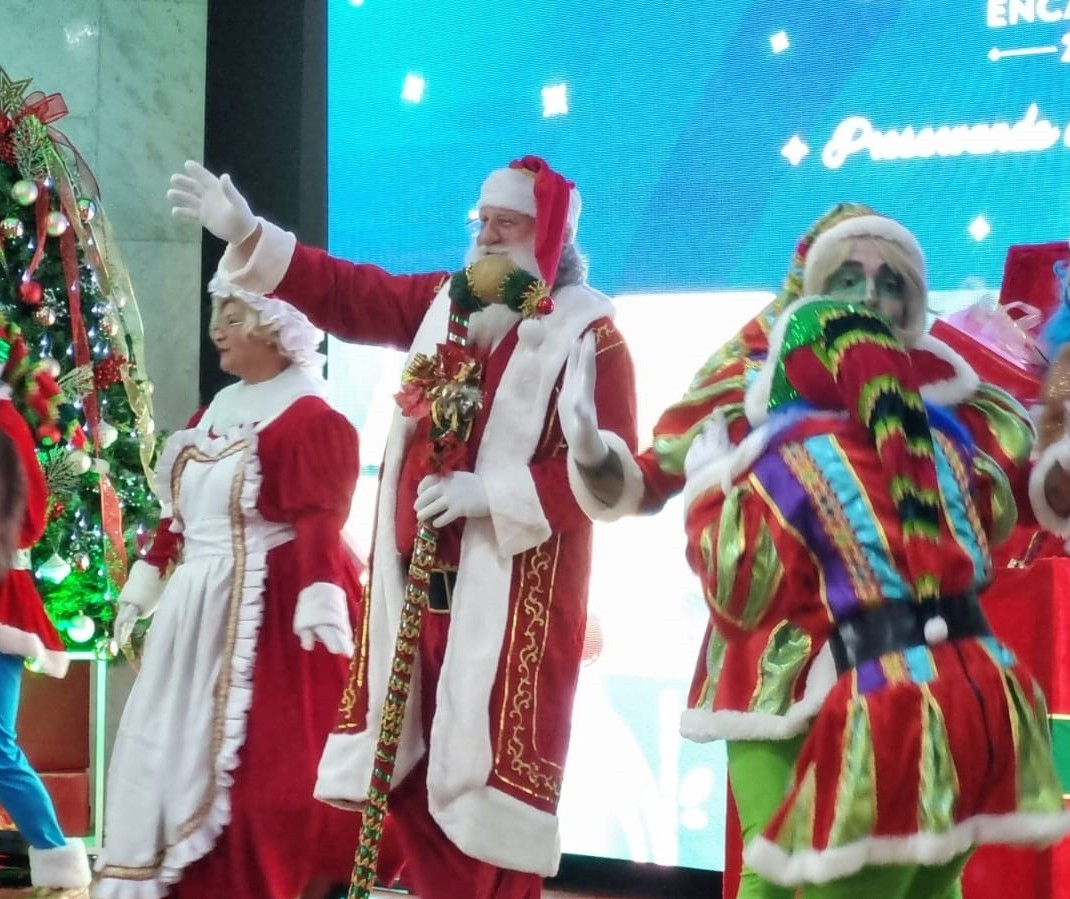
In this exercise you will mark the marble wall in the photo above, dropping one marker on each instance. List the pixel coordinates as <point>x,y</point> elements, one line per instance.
<point>132,73</point>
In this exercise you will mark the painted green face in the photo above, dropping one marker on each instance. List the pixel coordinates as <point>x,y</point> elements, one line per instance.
<point>865,276</point>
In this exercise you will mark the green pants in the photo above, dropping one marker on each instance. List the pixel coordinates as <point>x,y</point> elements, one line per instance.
<point>759,772</point>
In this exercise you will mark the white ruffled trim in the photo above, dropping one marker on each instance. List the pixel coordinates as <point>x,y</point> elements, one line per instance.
<point>1036,829</point>
<point>634,485</point>
<point>239,696</point>
<point>706,725</point>
<point>1056,454</point>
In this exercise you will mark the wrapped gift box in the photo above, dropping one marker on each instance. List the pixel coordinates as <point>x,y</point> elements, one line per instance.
<point>54,731</point>
<point>1029,276</point>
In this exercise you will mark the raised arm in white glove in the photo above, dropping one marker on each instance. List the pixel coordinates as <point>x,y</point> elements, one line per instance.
<point>441,499</point>
<point>576,406</point>
<point>214,203</point>
<point>125,619</point>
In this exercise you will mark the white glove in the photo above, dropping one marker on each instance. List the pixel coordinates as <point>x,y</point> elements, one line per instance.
<point>576,406</point>
<point>445,498</point>
<point>710,443</point>
<point>125,619</point>
<point>214,203</point>
<point>321,615</point>
<point>335,639</point>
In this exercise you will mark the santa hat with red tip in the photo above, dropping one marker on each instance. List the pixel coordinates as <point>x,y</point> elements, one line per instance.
<point>531,187</point>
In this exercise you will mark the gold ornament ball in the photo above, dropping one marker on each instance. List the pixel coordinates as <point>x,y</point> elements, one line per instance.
<point>87,209</point>
<point>109,326</point>
<point>11,228</point>
<point>24,192</point>
<point>44,316</point>
<point>81,561</point>
<point>485,276</point>
<point>56,223</point>
<point>50,365</point>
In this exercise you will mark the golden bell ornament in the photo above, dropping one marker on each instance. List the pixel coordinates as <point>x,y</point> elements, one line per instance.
<point>485,276</point>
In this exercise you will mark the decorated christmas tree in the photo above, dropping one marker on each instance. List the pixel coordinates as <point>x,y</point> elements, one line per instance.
<point>71,350</point>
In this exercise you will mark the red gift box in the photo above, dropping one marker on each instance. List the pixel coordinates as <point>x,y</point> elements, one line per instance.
<point>53,731</point>
<point>1029,275</point>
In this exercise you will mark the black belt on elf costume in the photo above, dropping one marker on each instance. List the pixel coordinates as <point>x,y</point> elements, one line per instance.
<point>900,625</point>
<point>440,590</point>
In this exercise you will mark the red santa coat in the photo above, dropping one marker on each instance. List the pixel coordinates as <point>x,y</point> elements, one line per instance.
<point>504,698</point>
<point>22,612</point>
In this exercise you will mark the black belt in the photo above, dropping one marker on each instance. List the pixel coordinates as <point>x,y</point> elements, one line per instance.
<point>901,625</point>
<point>440,590</point>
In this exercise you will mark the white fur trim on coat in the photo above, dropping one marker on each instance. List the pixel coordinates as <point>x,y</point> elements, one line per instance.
<point>963,384</point>
<point>64,867</point>
<point>1037,829</point>
<point>634,486</point>
<point>143,587</point>
<point>1055,456</point>
<point>266,266</point>
<point>515,508</point>
<point>322,604</point>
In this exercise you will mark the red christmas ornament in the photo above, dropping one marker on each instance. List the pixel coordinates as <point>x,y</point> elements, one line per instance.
<point>30,292</point>
<point>108,371</point>
<point>545,306</point>
<point>57,510</point>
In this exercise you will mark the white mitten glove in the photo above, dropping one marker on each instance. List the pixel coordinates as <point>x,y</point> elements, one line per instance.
<point>322,616</point>
<point>710,444</point>
<point>441,499</point>
<point>214,203</point>
<point>125,619</point>
<point>576,406</point>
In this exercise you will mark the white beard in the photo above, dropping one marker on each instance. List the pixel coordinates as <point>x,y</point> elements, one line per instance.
<point>522,256</point>
<point>488,326</point>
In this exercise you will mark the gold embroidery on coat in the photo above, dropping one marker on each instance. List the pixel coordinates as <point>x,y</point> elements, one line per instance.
<point>520,705</point>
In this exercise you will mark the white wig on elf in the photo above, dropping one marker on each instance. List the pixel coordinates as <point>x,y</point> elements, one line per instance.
<point>531,187</point>
<point>896,245</point>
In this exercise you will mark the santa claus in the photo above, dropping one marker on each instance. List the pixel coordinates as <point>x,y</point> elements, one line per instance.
<point>481,752</point>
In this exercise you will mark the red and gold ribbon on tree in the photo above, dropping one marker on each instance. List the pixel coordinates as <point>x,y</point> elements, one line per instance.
<point>446,390</point>
<point>45,156</point>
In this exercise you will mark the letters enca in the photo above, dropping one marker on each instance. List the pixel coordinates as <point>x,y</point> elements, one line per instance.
<point>1001,13</point>
<point>855,134</point>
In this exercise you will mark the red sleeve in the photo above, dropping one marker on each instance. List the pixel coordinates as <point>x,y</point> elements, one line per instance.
<point>616,404</point>
<point>356,302</point>
<point>313,490</point>
<point>33,523</point>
